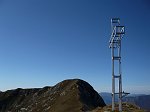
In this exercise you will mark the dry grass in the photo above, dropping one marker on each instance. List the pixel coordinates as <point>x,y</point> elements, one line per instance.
<point>126,108</point>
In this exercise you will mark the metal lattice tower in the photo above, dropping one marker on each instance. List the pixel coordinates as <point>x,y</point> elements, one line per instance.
<point>118,32</point>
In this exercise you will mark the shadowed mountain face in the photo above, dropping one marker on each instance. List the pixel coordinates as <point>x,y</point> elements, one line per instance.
<point>67,96</point>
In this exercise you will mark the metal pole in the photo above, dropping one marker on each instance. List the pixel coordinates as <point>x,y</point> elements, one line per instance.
<point>120,78</point>
<point>120,74</point>
<point>113,80</point>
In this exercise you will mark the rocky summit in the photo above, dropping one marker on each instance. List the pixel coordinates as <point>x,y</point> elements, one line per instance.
<point>72,95</point>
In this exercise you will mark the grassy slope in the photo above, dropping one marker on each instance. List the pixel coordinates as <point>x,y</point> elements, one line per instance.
<point>126,108</point>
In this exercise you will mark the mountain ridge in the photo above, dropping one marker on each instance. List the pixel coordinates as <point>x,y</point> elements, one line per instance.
<point>73,95</point>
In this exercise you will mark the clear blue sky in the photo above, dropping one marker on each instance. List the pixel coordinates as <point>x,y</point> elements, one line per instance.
<point>43,42</point>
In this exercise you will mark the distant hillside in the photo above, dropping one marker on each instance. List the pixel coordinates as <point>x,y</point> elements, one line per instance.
<point>67,96</point>
<point>107,97</point>
<point>141,100</point>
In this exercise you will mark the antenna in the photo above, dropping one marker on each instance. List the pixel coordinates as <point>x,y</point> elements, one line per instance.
<point>117,34</point>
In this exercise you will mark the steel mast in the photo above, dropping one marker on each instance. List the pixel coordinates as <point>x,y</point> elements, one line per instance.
<point>117,34</point>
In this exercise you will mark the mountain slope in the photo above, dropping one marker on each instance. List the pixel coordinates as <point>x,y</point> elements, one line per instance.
<point>107,97</point>
<point>143,101</point>
<point>126,107</point>
<point>67,96</point>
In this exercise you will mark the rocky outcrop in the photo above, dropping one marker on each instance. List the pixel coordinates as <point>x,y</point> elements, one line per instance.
<point>73,95</point>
